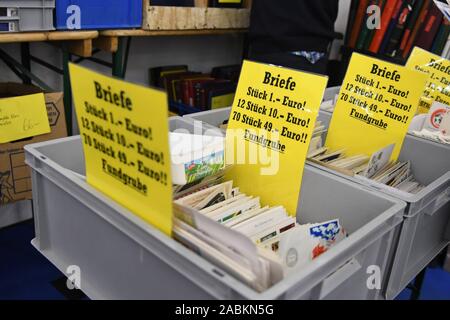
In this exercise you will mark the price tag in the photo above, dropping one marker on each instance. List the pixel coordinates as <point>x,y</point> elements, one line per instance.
<point>376,104</point>
<point>23,117</point>
<point>125,134</point>
<point>270,128</point>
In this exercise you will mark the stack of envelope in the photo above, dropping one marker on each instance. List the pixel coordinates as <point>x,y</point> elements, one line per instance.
<point>254,243</point>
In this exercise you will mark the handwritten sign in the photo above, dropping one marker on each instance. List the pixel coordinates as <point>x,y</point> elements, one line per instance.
<point>270,128</point>
<point>438,70</point>
<point>376,104</point>
<point>23,117</point>
<point>124,129</point>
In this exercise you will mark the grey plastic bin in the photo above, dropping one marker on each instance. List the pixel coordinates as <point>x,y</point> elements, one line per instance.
<point>426,227</point>
<point>27,15</point>
<point>214,118</point>
<point>122,257</point>
<point>423,234</point>
<point>331,92</point>
<point>189,125</point>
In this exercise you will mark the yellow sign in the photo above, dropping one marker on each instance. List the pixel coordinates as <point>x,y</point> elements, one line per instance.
<point>23,117</point>
<point>223,101</point>
<point>269,131</point>
<point>375,106</point>
<point>438,70</point>
<point>125,134</point>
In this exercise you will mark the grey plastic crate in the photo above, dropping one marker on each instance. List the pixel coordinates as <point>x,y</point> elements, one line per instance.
<point>27,15</point>
<point>426,226</point>
<point>424,233</point>
<point>122,257</point>
<point>15,212</point>
<point>189,125</point>
<point>214,118</point>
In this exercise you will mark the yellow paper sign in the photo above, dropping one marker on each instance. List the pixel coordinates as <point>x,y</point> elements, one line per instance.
<point>223,101</point>
<point>23,117</point>
<point>125,134</point>
<point>376,104</point>
<point>438,71</point>
<point>269,131</point>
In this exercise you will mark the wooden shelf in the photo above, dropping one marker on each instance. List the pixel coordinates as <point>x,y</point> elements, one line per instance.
<point>47,36</point>
<point>22,37</point>
<point>72,35</point>
<point>161,33</point>
<point>77,42</point>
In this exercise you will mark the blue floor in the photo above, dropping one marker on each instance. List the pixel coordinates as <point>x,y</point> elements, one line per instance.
<point>25,274</point>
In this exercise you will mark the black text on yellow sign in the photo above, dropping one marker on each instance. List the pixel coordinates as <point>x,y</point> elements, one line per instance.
<point>376,104</point>
<point>126,146</point>
<point>438,71</point>
<point>270,128</point>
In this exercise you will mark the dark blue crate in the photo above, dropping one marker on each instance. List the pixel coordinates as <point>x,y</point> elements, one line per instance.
<point>99,14</point>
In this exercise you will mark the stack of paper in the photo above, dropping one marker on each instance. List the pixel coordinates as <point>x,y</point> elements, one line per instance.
<point>338,159</point>
<point>432,135</point>
<point>377,167</point>
<point>398,175</point>
<point>250,241</point>
<point>328,105</point>
<point>180,191</point>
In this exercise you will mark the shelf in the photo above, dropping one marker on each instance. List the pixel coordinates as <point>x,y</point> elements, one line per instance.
<point>77,42</point>
<point>47,36</point>
<point>161,33</point>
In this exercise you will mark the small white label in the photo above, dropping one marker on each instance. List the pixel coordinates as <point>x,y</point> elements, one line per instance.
<point>12,12</point>
<point>12,27</point>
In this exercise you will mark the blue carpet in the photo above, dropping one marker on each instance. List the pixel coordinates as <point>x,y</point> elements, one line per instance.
<point>26,274</point>
<point>436,286</point>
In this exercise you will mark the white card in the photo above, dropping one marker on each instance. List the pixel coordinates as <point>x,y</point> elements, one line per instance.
<point>445,125</point>
<point>378,161</point>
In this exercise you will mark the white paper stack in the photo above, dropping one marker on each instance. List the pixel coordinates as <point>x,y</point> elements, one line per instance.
<point>250,241</point>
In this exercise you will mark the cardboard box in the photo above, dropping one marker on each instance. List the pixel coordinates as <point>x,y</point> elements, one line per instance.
<point>15,180</point>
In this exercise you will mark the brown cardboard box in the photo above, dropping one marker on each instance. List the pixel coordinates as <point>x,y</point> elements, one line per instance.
<point>15,180</point>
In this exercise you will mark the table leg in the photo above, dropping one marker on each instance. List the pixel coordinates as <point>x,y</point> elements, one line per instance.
<point>120,58</point>
<point>67,57</point>
<point>25,59</point>
<point>117,69</point>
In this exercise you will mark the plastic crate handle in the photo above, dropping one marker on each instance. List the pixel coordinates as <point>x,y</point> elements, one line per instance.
<point>440,201</point>
<point>339,277</point>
